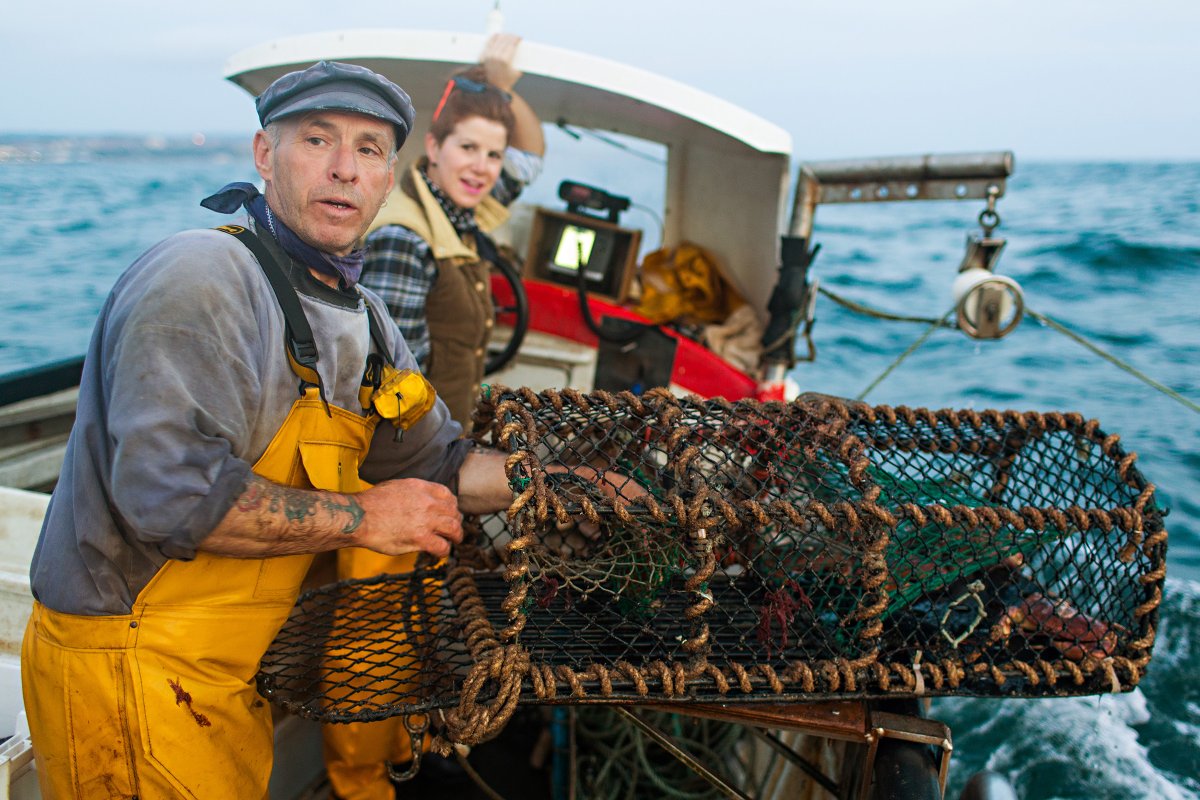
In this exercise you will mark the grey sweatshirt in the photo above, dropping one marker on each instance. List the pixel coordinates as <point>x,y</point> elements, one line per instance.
<point>184,385</point>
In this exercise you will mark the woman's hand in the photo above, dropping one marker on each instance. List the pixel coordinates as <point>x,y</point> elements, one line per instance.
<point>497,59</point>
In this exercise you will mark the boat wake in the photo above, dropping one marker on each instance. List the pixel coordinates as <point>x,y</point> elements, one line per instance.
<point>1142,744</point>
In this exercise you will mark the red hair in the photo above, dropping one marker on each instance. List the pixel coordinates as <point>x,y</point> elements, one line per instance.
<point>458,103</point>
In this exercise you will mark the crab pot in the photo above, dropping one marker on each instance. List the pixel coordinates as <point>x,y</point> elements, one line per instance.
<point>664,549</point>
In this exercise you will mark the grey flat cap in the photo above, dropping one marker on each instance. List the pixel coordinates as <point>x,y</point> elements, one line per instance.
<point>334,86</point>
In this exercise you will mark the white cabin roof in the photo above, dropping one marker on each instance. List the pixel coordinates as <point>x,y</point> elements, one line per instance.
<point>581,89</point>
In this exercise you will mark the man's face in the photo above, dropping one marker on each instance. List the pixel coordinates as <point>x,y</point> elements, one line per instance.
<point>328,175</point>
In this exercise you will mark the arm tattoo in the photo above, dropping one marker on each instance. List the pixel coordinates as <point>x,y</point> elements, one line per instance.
<point>351,507</point>
<point>252,498</point>
<point>300,507</point>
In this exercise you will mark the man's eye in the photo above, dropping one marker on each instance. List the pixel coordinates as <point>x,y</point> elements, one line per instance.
<point>315,140</point>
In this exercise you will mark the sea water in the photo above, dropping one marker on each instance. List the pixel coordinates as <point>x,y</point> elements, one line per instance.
<point>1112,250</point>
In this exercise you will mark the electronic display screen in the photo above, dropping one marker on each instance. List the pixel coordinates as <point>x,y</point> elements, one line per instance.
<point>574,245</point>
<point>578,244</point>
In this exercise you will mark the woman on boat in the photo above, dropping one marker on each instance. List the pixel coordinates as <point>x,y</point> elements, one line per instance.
<point>428,258</point>
<point>429,252</point>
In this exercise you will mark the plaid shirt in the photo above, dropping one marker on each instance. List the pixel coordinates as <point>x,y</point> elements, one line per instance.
<point>401,268</point>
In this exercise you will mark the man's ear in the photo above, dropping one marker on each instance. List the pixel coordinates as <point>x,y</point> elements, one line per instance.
<point>262,154</point>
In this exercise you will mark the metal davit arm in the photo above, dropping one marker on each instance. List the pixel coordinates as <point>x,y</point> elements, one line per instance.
<point>962,176</point>
<point>956,176</point>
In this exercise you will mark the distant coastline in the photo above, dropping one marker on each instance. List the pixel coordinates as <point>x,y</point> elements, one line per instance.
<point>73,148</point>
<point>83,148</point>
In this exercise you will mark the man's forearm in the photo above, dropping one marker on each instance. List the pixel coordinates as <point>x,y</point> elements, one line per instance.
<point>269,519</point>
<point>482,485</point>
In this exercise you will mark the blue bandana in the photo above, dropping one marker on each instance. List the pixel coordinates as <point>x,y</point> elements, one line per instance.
<point>245,195</point>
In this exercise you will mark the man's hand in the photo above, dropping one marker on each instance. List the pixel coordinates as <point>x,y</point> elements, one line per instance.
<point>403,516</point>
<point>483,484</point>
<point>615,485</point>
<point>394,517</point>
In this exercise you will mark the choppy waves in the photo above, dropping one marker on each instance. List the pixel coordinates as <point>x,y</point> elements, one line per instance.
<point>1101,250</point>
<point>1143,744</point>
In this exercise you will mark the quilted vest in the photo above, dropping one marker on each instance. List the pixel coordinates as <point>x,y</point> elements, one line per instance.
<point>458,309</point>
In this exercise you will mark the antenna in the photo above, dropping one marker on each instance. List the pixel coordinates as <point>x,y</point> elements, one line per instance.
<point>495,20</point>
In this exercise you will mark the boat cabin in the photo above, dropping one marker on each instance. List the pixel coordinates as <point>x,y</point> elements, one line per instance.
<point>724,188</point>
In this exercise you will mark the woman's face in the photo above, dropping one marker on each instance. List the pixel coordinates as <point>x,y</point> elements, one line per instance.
<point>466,165</point>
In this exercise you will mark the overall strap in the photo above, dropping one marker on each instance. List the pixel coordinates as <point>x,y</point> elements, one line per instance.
<point>299,343</point>
<point>400,396</point>
<point>377,333</point>
<point>373,375</point>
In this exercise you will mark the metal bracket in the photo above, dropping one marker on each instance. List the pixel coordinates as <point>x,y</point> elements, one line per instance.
<point>918,730</point>
<point>845,720</point>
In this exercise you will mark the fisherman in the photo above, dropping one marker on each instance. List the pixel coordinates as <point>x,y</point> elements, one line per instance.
<point>430,249</point>
<point>235,409</point>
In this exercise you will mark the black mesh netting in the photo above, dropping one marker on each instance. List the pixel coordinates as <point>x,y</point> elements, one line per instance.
<point>740,552</point>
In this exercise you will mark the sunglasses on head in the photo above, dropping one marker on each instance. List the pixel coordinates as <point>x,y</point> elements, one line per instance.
<point>466,85</point>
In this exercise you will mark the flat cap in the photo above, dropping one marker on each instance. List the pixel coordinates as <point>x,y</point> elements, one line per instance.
<point>334,86</point>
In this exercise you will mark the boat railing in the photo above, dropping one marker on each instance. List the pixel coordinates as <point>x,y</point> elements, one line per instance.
<point>37,410</point>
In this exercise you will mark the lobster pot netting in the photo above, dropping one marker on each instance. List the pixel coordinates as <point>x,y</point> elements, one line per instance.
<point>666,549</point>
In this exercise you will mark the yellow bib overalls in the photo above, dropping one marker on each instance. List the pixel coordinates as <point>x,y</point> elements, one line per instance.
<point>161,702</point>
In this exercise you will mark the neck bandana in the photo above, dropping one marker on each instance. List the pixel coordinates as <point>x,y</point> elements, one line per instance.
<point>463,219</point>
<point>244,195</point>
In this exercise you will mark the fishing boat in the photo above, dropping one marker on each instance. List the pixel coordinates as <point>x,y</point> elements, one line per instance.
<point>709,296</point>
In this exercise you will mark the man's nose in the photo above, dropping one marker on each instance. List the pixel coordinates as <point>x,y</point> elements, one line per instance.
<point>344,164</point>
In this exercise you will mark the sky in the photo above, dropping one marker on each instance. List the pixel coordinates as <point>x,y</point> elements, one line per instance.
<point>1048,79</point>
